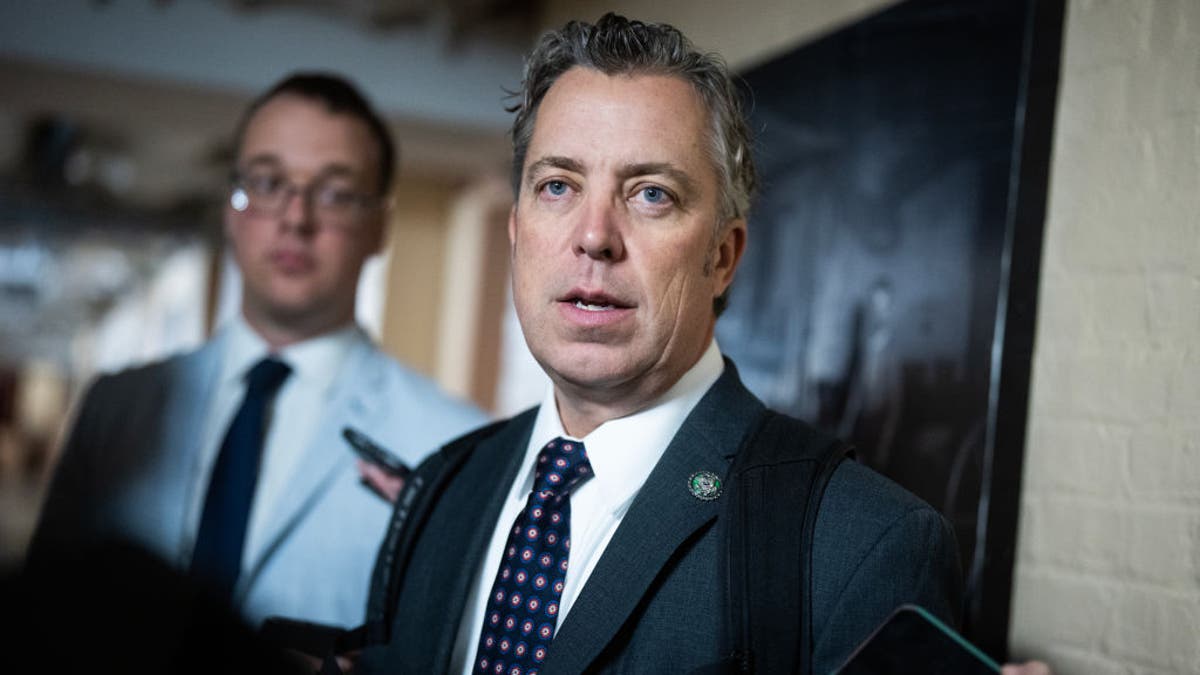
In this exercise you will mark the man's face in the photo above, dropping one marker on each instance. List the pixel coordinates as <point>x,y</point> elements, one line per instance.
<point>616,250</point>
<point>299,266</point>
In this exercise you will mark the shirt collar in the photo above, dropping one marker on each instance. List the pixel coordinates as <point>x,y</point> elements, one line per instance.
<point>315,360</point>
<point>623,451</point>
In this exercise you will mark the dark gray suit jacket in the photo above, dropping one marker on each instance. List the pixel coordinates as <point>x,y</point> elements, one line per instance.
<point>655,601</point>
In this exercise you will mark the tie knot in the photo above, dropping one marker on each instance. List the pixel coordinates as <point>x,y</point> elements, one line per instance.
<point>266,375</point>
<point>561,465</point>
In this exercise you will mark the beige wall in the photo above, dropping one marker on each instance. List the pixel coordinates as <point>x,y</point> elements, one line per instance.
<point>447,281</point>
<point>416,250</point>
<point>1108,572</point>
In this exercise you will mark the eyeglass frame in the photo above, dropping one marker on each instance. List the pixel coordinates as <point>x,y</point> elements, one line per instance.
<point>362,203</point>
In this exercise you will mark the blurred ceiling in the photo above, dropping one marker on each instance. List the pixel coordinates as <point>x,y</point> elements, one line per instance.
<point>137,99</point>
<point>447,65</point>
<point>463,17</point>
<point>116,117</point>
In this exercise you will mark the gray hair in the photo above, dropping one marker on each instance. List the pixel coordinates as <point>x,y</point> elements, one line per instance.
<point>618,46</point>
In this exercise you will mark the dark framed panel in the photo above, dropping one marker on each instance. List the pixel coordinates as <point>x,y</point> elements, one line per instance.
<point>889,290</point>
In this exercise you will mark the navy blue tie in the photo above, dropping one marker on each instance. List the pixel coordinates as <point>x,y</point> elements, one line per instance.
<point>217,557</point>
<point>522,611</point>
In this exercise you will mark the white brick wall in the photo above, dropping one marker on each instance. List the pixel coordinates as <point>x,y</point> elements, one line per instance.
<point>1108,569</point>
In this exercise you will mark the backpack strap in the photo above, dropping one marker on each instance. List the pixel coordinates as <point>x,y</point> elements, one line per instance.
<point>412,508</point>
<point>777,482</point>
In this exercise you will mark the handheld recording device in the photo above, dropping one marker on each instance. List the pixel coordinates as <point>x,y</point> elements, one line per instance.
<point>372,452</point>
<point>912,640</point>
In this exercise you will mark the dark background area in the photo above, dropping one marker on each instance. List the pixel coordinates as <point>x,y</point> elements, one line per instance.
<point>900,189</point>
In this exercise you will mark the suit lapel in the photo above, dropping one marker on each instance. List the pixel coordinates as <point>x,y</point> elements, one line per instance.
<point>662,518</point>
<point>188,395</point>
<point>495,462</point>
<point>357,401</point>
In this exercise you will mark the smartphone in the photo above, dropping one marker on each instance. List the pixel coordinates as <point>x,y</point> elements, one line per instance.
<point>911,641</point>
<point>372,452</point>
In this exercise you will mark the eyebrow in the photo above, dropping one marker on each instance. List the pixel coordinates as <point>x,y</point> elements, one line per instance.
<point>625,172</point>
<point>681,177</point>
<point>335,170</point>
<point>554,162</point>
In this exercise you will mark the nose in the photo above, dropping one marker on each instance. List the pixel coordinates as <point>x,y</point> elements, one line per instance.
<point>598,234</point>
<point>296,212</point>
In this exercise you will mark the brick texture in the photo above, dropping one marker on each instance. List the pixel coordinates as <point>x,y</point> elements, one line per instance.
<point>1108,566</point>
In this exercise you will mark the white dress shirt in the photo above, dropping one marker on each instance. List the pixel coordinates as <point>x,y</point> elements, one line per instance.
<point>622,453</point>
<point>298,404</point>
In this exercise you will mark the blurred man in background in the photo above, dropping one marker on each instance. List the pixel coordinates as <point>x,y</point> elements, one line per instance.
<point>229,462</point>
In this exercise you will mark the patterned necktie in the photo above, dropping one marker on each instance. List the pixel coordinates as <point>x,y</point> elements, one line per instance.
<point>217,557</point>
<point>523,608</point>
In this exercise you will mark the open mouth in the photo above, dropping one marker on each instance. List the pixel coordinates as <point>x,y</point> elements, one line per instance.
<point>593,301</point>
<point>590,307</point>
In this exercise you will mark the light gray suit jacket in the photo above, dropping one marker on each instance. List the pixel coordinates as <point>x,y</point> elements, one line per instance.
<point>656,600</point>
<point>127,472</point>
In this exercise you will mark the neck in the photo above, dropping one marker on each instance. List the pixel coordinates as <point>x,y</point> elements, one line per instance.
<point>280,334</point>
<point>584,406</point>
<point>580,417</point>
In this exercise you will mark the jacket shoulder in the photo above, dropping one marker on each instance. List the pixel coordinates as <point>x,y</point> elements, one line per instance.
<point>859,491</point>
<point>116,389</point>
<point>864,513</point>
<point>877,546</point>
<point>405,386</point>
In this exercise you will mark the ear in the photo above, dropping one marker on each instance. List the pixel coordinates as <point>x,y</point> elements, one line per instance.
<point>728,254</point>
<point>512,228</point>
<point>370,234</point>
<point>378,226</point>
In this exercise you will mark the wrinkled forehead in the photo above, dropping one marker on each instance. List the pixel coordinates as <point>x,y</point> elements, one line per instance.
<point>622,118</point>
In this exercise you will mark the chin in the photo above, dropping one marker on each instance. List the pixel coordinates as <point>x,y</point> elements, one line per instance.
<point>585,369</point>
<point>293,311</point>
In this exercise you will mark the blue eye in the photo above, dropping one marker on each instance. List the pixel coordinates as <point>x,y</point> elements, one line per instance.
<point>556,188</point>
<point>656,196</point>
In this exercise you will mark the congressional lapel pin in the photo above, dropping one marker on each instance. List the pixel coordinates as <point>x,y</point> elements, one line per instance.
<point>705,485</point>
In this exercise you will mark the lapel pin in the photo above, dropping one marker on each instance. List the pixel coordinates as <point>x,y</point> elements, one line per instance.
<point>705,485</point>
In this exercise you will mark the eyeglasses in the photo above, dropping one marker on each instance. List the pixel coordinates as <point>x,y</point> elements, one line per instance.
<point>267,192</point>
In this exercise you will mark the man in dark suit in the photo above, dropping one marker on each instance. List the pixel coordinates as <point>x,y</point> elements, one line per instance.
<point>586,534</point>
